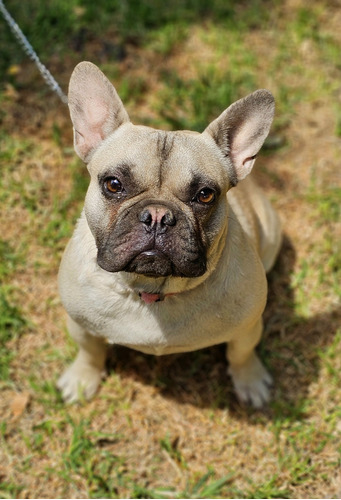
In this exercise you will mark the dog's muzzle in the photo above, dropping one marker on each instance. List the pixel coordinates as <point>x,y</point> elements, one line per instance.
<point>155,240</point>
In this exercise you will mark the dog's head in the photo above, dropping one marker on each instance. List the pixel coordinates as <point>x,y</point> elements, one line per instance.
<point>156,203</point>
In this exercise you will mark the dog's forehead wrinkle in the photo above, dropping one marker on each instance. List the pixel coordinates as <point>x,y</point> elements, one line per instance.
<point>165,142</point>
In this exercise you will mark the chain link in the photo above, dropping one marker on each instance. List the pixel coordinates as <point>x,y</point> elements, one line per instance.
<point>19,35</point>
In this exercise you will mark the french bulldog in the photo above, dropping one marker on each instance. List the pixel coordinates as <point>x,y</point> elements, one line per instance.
<point>170,254</point>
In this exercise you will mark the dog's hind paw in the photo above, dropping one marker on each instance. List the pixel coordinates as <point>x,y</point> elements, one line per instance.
<point>79,382</point>
<point>251,382</point>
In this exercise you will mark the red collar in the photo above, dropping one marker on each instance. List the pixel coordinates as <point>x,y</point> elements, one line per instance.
<point>149,298</point>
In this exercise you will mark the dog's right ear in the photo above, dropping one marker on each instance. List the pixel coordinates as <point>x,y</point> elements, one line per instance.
<point>95,108</point>
<point>241,129</point>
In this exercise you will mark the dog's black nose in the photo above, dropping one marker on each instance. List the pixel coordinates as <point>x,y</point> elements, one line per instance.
<point>157,218</point>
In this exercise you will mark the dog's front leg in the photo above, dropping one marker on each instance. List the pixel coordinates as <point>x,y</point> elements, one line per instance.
<point>250,379</point>
<point>83,376</point>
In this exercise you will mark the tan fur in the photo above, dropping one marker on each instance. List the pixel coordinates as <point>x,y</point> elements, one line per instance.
<point>240,233</point>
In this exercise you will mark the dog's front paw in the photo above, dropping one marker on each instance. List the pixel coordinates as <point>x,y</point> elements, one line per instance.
<point>251,382</point>
<point>79,381</point>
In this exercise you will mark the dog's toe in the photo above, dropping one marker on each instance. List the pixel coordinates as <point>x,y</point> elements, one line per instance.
<point>252,383</point>
<point>76,384</point>
<point>257,394</point>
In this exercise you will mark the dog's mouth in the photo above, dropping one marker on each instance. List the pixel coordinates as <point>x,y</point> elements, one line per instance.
<point>154,263</point>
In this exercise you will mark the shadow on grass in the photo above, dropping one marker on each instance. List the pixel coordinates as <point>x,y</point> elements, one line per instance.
<point>290,349</point>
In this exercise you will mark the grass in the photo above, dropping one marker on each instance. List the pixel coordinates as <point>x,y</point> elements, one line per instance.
<point>171,427</point>
<point>133,21</point>
<point>12,324</point>
<point>199,100</point>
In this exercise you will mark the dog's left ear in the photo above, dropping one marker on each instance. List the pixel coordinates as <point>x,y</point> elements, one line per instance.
<point>95,108</point>
<point>241,130</point>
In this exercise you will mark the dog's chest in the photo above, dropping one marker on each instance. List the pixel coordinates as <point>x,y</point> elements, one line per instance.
<point>159,328</point>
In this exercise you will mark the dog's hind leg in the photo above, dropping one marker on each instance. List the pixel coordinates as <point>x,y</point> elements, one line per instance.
<point>250,379</point>
<point>83,376</point>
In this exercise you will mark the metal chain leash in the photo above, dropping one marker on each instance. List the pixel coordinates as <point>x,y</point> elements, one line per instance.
<point>19,35</point>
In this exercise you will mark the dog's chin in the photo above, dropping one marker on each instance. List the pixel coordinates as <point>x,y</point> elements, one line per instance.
<point>154,264</point>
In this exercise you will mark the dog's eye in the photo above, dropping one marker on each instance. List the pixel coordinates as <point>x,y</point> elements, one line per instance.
<point>205,196</point>
<point>113,185</point>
